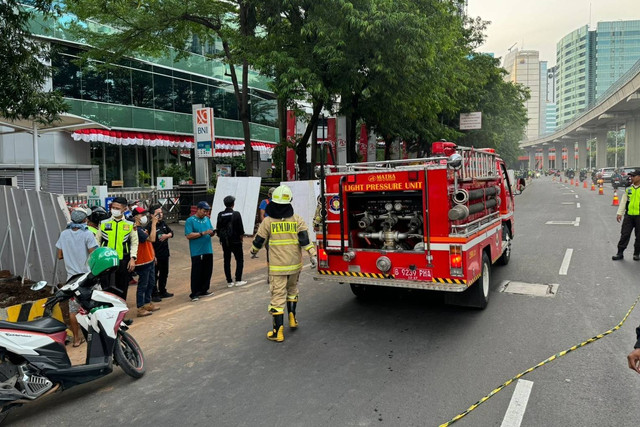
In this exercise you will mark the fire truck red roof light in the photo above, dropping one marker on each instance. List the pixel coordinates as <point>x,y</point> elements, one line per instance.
<point>413,175</point>
<point>351,179</point>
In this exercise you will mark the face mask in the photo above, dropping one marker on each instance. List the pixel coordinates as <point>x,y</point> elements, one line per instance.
<point>143,220</point>
<point>117,213</point>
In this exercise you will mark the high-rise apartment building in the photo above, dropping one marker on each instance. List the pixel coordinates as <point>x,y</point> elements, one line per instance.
<point>523,66</point>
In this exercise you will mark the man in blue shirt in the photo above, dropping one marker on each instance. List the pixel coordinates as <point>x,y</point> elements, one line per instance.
<point>264,203</point>
<point>199,231</point>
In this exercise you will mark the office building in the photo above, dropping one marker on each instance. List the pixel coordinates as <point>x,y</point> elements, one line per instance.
<point>138,117</point>
<point>589,62</point>
<point>617,49</point>
<point>523,67</point>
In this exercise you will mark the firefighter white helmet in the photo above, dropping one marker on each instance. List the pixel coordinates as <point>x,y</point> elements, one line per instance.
<point>282,195</point>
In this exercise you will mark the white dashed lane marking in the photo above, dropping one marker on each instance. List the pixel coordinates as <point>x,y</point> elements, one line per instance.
<point>518,404</point>
<point>565,262</point>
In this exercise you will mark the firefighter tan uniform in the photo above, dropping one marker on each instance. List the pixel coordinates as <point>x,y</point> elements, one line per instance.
<point>287,234</point>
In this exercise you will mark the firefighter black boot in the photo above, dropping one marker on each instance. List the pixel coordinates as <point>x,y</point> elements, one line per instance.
<point>291,308</point>
<point>277,333</point>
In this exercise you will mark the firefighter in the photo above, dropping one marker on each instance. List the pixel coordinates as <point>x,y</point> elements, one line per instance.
<point>287,234</point>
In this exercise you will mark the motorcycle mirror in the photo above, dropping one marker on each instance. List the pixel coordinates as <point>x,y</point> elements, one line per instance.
<point>38,285</point>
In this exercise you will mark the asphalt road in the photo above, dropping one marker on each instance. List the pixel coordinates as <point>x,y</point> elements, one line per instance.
<point>403,359</point>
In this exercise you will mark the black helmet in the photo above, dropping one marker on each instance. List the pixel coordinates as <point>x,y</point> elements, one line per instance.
<point>98,214</point>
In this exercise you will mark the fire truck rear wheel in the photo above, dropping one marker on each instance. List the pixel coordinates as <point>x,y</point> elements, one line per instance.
<point>361,291</point>
<point>477,296</point>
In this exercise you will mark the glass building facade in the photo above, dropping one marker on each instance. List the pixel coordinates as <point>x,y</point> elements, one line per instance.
<point>150,95</point>
<point>574,60</point>
<point>617,49</point>
<point>589,62</point>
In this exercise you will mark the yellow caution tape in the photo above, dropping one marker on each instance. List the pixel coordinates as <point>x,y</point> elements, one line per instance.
<point>544,362</point>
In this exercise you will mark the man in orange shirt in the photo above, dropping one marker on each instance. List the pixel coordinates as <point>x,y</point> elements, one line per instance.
<point>145,263</point>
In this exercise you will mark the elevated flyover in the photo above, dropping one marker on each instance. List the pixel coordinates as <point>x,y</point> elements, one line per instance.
<point>618,107</point>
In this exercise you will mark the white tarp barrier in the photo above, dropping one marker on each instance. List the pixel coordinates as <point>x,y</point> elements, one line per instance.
<point>246,191</point>
<point>305,196</point>
<point>30,223</point>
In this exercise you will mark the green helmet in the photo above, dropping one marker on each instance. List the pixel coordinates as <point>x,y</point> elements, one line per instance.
<point>103,259</point>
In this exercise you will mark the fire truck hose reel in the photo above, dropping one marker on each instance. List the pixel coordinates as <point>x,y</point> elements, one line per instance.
<point>460,212</point>
<point>461,196</point>
<point>544,362</point>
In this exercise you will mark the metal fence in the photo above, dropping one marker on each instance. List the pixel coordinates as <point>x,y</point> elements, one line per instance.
<point>30,223</point>
<point>168,199</point>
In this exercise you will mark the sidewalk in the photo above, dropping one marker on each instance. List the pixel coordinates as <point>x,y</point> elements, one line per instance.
<point>179,279</point>
<point>180,269</point>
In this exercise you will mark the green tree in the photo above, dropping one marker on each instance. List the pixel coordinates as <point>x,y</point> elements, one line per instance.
<point>24,70</point>
<point>152,28</point>
<point>504,115</point>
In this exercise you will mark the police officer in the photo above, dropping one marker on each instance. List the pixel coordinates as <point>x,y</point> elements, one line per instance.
<point>630,209</point>
<point>119,234</point>
<point>287,234</point>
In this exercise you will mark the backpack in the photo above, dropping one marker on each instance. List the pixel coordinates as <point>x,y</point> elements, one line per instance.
<point>225,232</point>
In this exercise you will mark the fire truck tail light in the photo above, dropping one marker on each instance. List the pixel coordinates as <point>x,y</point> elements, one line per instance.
<point>455,259</point>
<point>351,179</point>
<point>323,258</point>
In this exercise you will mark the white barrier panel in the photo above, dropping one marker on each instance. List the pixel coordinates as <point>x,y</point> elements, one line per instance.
<point>305,196</point>
<point>30,223</point>
<point>246,190</point>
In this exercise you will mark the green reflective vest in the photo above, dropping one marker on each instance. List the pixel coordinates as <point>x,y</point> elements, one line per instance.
<point>633,201</point>
<point>116,235</point>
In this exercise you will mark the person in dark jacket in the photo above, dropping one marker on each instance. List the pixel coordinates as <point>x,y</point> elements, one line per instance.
<point>230,232</point>
<point>161,246</point>
<point>634,357</point>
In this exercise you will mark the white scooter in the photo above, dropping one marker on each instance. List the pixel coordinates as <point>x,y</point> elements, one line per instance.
<point>34,360</point>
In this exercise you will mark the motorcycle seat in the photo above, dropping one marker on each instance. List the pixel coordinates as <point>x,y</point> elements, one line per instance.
<point>45,325</point>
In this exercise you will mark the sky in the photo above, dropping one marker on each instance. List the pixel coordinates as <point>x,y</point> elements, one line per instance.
<point>540,24</point>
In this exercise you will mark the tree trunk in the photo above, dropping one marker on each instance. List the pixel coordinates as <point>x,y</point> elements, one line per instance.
<point>301,147</point>
<point>352,120</point>
<point>245,117</point>
<point>314,151</point>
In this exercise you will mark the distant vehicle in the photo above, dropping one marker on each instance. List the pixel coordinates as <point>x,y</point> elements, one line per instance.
<point>622,179</point>
<point>606,173</point>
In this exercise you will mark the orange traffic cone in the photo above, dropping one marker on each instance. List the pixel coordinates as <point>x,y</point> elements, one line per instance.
<point>593,187</point>
<point>577,183</point>
<point>600,190</point>
<point>572,181</point>
<point>585,183</point>
<point>616,202</point>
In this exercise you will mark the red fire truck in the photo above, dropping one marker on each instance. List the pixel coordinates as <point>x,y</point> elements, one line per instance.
<point>436,223</point>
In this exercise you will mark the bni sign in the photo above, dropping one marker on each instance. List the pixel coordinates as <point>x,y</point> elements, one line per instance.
<point>204,132</point>
<point>470,121</point>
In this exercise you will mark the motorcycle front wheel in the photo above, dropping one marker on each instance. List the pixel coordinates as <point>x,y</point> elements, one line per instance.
<point>128,355</point>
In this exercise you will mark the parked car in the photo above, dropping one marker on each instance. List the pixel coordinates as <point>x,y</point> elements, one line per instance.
<point>606,173</point>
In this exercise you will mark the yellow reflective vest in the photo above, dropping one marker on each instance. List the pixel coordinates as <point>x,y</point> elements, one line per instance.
<point>633,201</point>
<point>119,235</point>
<point>285,252</point>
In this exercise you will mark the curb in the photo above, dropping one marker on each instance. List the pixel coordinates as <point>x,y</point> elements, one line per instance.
<point>29,311</point>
